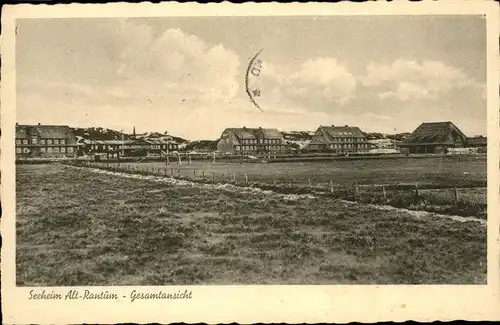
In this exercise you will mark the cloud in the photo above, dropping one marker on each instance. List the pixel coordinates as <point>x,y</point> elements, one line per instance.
<point>189,66</point>
<point>407,80</point>
<point>316,84</point>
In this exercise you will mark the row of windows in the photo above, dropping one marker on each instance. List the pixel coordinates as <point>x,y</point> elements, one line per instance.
<point>42,141</point>
<point>255,148</point>
<point>255,141</point>
<point>347,139</point>
<point>348,145</point>
<point>49,150</point>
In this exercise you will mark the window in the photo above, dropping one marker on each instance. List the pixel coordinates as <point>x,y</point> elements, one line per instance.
<point>56,141</point>
<point>237,148</point>
<point>19,150</point>
<point>25,141</point>
<point>42,149</point>
<point>56,149</point>
<point>49,141</point>
<point>49,149</point>
<point>42,141</point>
<point>26,150</point>
<point>62,141</point>
<point>63,149</point>
<point>34,141</point>
<point>18,141</point>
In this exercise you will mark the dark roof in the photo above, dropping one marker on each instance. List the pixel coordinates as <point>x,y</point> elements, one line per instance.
<point>477,140</point>
<point>254,133</point>
<point>436,133</point>
<point>46,131</point>
<point>343,131</point>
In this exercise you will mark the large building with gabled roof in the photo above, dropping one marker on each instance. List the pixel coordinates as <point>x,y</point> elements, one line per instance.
<point>434,137</point>
<point>251,141</point>
<point>339,139</point>
<point>45,141</point>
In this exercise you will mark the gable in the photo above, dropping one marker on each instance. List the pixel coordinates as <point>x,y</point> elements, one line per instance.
<point>437,132</point>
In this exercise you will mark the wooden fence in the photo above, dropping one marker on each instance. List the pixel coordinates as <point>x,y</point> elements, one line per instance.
<point>402,194</point>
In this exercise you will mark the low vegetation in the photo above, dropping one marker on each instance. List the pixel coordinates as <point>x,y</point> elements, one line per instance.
<point>76,227</point>
<point>426,184</point>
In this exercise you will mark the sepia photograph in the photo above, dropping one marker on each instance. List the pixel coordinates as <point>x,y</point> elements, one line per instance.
<point>302,156</point>
<point>236,150</point>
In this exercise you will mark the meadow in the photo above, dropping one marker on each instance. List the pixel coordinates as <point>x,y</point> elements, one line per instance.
<point>430,172</point>
<point>75,226</point>
<point>450,184</point>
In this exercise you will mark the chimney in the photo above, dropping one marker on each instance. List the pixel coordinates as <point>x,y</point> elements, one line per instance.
<point>333,125</point>
<point>346,125</point>
<point>39,124</point>
<point>17,124</point>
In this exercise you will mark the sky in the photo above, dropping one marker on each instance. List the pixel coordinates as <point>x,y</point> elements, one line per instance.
<point>186,75</point>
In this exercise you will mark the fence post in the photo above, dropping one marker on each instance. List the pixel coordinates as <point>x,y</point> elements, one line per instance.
<point>456,195</point>
<point>356,191</point>
<point>310,184</point>
<point>274,181</point>
<point>246,178</point>
<point>417,194</point>
<point>331,187</point>
<point>383,191</point>
<point>203,174</point>
<point>234,177</point>
<point>194,173</point>
<point>165,171</point>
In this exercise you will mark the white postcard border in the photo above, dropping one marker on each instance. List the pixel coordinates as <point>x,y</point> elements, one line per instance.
<point>248,304</point>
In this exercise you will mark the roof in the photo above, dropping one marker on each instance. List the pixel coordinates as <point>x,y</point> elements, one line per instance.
<point>254,133</point>
<point>343,131</point>
<point>477,140</point>
<point>435,133</point>
<point>46,132</point>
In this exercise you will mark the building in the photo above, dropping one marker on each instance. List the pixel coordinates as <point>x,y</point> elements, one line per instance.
<point>339,139</point>
<point>435,137</point>
<point>251,141</point>
<point>477,142</point>
<point>45,141</point>
<point>130,148</point>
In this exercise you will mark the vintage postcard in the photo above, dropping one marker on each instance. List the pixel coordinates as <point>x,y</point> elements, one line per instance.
<point>250,162</point>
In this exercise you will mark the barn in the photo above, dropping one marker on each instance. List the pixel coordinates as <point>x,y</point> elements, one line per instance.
<point>434,137</point>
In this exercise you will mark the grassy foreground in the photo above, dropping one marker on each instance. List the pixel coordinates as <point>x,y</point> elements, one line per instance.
<point>75,227</point>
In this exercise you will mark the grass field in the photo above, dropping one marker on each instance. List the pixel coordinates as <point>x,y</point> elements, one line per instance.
<point>429,172</point>
<point>436,178</point>
<point>78,227</point>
